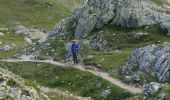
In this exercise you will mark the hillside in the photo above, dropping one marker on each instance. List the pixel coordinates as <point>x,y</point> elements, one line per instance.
<point>36,13</point>
<point>124,45</point>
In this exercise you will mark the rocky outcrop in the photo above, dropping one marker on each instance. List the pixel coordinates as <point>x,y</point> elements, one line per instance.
<point>130,13</point>
<point>94,14</point>
<point>13,87</point>
<point>153,59</point>
<point>64,26</point>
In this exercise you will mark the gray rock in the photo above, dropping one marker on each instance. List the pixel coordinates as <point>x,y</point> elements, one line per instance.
<point>153,59</point>
<point>166,25</point>
<point>63,27</point>
<point>15,91</point>
<point>1,34</point>
<point>98,43</point>
<point>4,29</point>
<point>136,13</point>
<point>106,93</point>
<point>68,53</point>
<point>7,47</point>
<point>161,96</point>
<point>139,35</point>
<point>94,14</point>
<point>20,29</point>
<point>151,88</point>
<point>28,40</point>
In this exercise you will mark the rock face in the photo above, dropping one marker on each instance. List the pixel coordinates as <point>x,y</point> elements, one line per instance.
<point>130,13</point>
<point>153,59</point>
<point>12,87</point>
<point>94,14</point>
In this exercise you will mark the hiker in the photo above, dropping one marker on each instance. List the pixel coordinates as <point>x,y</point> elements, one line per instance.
<point>74,50</point>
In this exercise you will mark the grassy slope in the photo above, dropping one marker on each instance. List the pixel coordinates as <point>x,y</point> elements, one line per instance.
<point>11,38</point>
<point>71,79</point>
<point>108,62</point>
<point>38,13</point>
<point>160,2</point>
<point>124,40</point>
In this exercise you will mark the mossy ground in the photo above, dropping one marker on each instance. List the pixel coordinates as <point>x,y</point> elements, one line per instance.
<point>66,79</point>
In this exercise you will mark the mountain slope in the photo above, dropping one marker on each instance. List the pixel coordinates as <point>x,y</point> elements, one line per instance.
<point>38,13</point>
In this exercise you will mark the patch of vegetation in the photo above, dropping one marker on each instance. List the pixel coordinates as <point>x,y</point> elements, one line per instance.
<point>57,46</point>
<point>160,2</point>
<point>11,38</point>
<point>66,79</point>
<point>123,38</point>
<point>38,13</point>
<point>109,61</point>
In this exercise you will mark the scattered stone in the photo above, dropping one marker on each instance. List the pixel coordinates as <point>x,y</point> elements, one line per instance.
<point>1,34</point>
<point>4,29</point>
<point>139,35</point>
<point>16,92</point>
<point>28,40</point>
<point>98,43</point>
<point>106,93</point>
<point>166,25</point>
<point>151,88</point>
<point>89,57</point>
<point>162,96</point>
<point>20,29</point>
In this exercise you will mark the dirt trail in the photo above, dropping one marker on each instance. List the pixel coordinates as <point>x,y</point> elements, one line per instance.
<point>101,74</point>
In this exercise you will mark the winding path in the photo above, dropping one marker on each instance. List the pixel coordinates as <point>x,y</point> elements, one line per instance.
<point>101,74</point>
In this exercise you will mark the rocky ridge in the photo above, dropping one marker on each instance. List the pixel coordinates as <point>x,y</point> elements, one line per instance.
<point>94,14</point>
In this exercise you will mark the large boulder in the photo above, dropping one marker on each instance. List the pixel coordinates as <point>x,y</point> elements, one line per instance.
<point>151,59</point>
<point>166,26</point>
<point>94,14</point>
<point>130,13</point>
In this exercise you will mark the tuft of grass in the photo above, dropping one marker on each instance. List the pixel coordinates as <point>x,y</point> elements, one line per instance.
<point>66,79</point>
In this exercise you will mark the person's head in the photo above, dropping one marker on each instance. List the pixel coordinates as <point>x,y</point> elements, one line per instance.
<point>74,41</point>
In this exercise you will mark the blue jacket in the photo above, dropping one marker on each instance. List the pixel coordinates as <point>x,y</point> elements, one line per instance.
<point>74,49</point>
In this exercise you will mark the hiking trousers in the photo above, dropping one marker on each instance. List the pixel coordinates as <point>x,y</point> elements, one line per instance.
<point>75,60</point>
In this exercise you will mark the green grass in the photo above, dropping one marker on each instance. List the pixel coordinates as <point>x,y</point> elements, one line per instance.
<point>109,61</point>
<point>38,13</point>
<point>160,2</point>
<point>124,38</point>
<point>58,46</point>
<point>11,38</point>
<point>71,79</point>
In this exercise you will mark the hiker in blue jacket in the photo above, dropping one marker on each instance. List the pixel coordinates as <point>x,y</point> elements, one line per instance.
<point>74,50</point>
